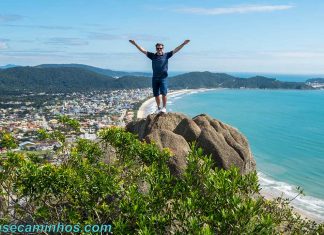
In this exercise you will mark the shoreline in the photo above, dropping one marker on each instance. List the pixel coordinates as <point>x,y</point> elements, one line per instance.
<point>269,195</point>
<point>145,107</point>
<point>148,107</point>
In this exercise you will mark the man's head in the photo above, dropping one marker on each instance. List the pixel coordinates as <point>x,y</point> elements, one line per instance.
<point>159,48</point>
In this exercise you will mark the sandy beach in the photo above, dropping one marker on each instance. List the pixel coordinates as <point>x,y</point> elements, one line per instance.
<point>149,106</point>
<point>270,194</point>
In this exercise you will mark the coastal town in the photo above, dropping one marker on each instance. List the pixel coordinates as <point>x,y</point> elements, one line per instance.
<point>24,117</point>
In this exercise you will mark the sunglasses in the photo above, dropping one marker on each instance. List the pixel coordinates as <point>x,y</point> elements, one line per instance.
<point>159,48</point>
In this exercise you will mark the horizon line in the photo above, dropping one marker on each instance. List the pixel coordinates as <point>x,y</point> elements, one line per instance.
<point>175,71</point>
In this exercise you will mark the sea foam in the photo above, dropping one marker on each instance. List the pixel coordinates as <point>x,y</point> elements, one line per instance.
<point>312,206</point>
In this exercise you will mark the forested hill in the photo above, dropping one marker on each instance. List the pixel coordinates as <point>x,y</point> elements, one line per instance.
<point>107,72</point>
<point>72,79</point>
<point>210,80</point>
<point>51,79</point>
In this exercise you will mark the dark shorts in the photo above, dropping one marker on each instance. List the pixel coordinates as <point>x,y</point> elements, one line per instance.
<point>160,86</point>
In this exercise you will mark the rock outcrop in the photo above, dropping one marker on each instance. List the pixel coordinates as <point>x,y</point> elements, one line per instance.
<point>227,146</point>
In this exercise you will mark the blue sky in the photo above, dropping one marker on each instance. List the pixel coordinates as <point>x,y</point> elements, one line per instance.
<point>226,36</point>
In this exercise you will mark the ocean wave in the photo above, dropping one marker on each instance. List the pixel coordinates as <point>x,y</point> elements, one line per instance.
<point>310,205</point>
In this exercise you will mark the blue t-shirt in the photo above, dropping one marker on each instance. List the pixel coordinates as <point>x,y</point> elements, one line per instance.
<point>160,64</point>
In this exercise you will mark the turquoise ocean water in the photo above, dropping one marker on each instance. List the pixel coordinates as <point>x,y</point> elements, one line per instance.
<point>285,129</point>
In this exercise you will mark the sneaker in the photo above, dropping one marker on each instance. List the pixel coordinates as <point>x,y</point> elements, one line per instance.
<point>163,110</point>
<point>158,110</point>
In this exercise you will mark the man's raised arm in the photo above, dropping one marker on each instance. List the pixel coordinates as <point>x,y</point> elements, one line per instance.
<point>138,47</point>
<point>179,47</point>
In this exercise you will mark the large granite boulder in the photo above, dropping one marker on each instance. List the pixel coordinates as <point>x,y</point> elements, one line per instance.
<point>175,143</point>
<point>227,146</point>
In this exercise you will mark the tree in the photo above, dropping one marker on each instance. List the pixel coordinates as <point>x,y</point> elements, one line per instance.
<point>7,140</point>
<point>70,123</point>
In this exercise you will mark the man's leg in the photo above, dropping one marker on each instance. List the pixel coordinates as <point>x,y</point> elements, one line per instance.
<point>156,93</point>
<point>164,100</point>
<point>157,100</point>
<point>164,91</point>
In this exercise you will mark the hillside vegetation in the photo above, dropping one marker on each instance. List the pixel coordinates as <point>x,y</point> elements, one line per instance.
<point>134,191</point>
<point>56,78</point>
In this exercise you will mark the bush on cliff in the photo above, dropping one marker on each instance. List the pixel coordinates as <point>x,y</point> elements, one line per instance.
<point>136,193</point>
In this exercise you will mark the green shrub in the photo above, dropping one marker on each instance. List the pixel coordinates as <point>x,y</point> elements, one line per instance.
<point>137,194</point>
<point>7,140</point>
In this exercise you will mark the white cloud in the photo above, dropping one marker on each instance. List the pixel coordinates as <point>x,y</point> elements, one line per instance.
<point>295,54</point>
<point>67,41</point>
<point>9,18</point>
<point>142,37</point>
<point>3,45</point>
<point>51,27</point>
<point>234,9</point>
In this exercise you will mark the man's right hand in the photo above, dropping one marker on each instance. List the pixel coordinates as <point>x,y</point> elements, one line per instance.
<point>138,47</point>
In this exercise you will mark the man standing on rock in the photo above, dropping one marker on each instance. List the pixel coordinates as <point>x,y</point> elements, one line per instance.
<point>160,71</point>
